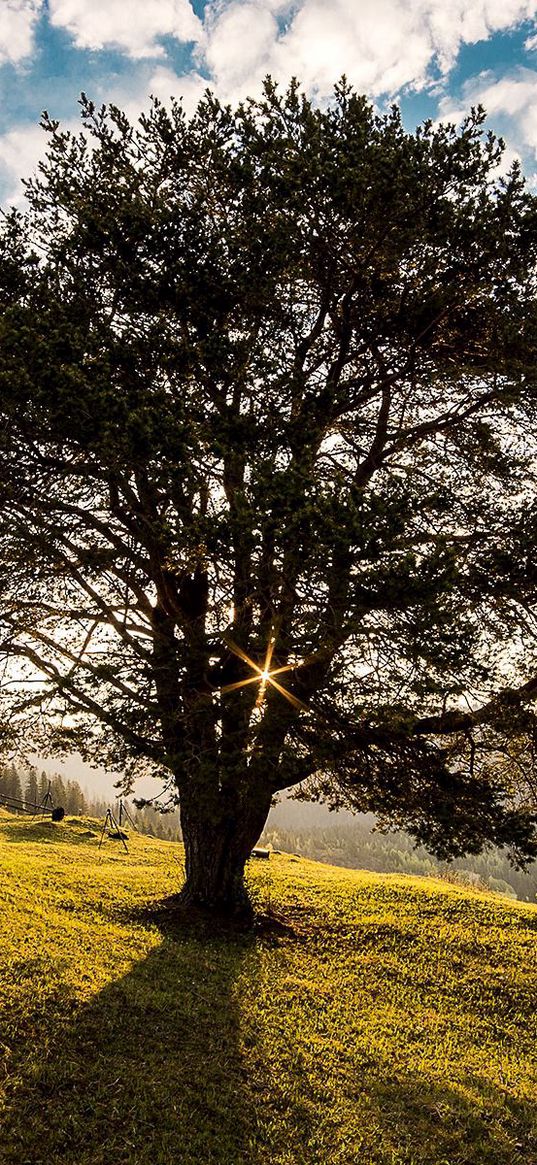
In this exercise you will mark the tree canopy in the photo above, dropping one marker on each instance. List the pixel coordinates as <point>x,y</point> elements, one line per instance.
<point>267,504</point>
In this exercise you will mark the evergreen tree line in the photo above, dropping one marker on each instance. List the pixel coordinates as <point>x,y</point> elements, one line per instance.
<point>29,786</point>
<point>353,844</point>
<point>156,824</point>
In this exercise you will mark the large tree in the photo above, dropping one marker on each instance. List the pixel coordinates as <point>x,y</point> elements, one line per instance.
<point>266,493</point>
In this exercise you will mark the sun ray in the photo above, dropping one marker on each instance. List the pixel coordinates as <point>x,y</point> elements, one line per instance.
<point>239,684</point>
<point>312,658</point>
<point>264,675</point>
<point>270,652</point>
<point>277,671</point>
<point>289,695</point>
<point>242,655</point>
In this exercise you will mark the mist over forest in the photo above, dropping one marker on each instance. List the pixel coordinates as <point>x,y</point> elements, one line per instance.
<point>343,839</point>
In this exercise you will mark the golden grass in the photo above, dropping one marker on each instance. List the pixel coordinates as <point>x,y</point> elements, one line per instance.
<point>394,1025</point>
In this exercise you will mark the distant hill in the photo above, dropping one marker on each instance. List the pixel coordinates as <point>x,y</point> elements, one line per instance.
<point>353,841</point>
<point>379,1020</point>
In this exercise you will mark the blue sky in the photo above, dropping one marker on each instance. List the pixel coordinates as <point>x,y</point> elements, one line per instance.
<point>434,58</point>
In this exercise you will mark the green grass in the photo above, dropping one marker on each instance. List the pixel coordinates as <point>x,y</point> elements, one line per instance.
<point>394,1025</point>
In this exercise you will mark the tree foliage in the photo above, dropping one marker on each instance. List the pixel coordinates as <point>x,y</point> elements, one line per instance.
<point>267,387</point>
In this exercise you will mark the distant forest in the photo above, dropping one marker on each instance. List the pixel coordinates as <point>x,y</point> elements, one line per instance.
<point>295,827</point>
<point>30,786</point>
<point>346,840</point>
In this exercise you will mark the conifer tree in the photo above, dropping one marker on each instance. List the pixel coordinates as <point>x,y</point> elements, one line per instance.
<point>267,396</point>
<point>31,787</point>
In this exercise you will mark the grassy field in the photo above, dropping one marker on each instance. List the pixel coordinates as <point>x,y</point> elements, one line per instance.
<point>393,1024</point>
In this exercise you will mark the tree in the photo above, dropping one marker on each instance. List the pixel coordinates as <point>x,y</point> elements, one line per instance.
<point>267,386</point>
<point>43,787</point>
<point>75,801</point>
<point>10,783</point>
<point>31,788</point>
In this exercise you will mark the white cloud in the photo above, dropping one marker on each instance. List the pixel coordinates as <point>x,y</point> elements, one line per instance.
<point>17,23</point>
<point>511,105</point>
<point>240,40</point>
<point>132,26</point>
<point>382,45</point>
<point>379,45</point>
<point>20,151</point>
<point>164,83</point>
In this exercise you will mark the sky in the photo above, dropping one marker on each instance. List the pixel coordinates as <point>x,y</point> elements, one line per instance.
<point>435,58</point>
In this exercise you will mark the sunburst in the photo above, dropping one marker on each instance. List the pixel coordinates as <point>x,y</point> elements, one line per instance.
<point>264,675</point>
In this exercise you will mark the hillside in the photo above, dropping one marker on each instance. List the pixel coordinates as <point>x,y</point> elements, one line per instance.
<point>392,1023</point>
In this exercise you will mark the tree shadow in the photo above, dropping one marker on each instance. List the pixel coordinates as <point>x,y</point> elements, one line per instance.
<point>148,1073</point>
<point>161,1068</point>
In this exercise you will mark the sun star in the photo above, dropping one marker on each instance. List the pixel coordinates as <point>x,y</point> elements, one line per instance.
<point>264,675</point>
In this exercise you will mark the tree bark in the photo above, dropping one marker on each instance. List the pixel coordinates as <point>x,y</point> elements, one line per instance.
<point>217,847</point>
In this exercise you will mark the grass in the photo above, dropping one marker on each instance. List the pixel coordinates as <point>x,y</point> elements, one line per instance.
<point>394,1025</point>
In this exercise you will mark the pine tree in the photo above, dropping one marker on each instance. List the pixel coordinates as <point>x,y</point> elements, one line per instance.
<point>266,393</point>
<point>31,788</point>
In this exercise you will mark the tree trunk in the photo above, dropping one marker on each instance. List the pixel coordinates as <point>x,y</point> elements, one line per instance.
<point>217,848</point>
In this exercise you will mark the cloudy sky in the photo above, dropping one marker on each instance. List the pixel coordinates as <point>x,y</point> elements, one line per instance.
<point>435,57</point>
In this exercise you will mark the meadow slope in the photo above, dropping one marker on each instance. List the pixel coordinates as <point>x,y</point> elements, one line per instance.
<point>392,1023</point>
